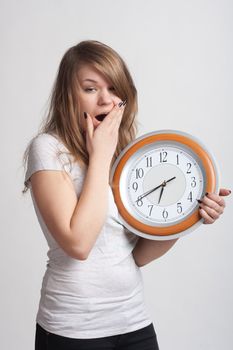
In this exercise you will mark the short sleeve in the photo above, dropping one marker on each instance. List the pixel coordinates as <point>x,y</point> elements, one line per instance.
<point>46,153</point>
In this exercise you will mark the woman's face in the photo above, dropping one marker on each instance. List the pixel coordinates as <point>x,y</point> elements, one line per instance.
<point>96,95</point>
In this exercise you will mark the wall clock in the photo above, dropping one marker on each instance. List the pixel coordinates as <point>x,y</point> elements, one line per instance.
<point>156,181</point>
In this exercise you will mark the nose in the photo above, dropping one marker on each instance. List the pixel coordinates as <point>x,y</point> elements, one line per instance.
<point>105,97</point>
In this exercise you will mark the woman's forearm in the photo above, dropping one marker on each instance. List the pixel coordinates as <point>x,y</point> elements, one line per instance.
<point>91,209</point>
<point>147,250</point>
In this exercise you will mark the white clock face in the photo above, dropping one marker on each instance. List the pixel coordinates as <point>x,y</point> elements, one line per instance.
<point>161,183</point>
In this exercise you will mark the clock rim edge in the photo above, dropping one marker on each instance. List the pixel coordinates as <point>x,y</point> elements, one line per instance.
<point>196,220</point>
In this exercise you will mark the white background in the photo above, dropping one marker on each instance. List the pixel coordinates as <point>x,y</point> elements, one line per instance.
<point>180,54</point>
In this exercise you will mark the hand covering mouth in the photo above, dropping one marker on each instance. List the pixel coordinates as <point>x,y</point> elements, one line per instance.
<point>100,117</point>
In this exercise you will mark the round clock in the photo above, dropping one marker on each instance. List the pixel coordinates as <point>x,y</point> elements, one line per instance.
<point>157,180</point>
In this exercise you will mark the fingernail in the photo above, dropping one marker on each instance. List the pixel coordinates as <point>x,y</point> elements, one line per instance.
<point>199,201</point>
<point>85,115</point>
<point>120,104</point>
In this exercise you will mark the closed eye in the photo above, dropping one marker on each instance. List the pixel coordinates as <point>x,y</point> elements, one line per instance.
<point>91,89</point>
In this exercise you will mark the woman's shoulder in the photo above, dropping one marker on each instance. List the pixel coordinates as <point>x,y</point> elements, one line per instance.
<point>47,152</point>
<point>46,138</point>
<point>45,147</point>
<point>47,142</point>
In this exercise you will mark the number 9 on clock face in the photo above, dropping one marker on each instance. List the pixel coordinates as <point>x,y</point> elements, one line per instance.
<point>157,181</point>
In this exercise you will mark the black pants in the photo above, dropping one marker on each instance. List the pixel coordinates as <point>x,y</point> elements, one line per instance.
<point>142,339</point>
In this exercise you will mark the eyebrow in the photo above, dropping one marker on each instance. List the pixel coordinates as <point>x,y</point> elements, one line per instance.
<point>91,80</point>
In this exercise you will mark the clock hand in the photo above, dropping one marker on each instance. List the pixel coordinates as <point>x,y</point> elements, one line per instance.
<point>161,192</point>
<point>148,192</point>
<point>164,185</point>
<point>170,179</point>
<point>154,189</point>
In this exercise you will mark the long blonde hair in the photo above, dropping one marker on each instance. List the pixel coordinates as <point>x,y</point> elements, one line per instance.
<point>64,118</point>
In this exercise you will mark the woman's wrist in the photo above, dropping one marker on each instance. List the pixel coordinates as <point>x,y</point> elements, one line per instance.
<point>99,161</point>
<point>100,168</point>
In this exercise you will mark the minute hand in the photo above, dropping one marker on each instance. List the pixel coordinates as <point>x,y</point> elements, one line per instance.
<point>170,179</point>
<point>154,189</point>
<point>148,192</point>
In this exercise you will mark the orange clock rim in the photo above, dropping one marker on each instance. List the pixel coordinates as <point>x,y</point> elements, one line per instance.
<point>192,219</point>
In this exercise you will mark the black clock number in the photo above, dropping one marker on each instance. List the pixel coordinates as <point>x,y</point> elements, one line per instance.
<point>163,157</point>
<point>193,183</point>
<point>177,159</point>
<point>179,208</point>
<point>165,214</point>
<point>135,186</point>
<point>139,173</point>
<point>139,202</point>
<point>189,165</point>
<point>148,162</point>
<point>190,197</point>
<point>150,209</point>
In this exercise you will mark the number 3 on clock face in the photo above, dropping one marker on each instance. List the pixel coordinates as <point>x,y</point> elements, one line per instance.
<point>157,180</point>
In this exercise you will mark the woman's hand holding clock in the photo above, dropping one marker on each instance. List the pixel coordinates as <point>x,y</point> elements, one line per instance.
<point>212,205</point>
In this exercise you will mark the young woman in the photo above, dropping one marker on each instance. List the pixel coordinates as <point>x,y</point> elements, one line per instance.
<point>92,292</point>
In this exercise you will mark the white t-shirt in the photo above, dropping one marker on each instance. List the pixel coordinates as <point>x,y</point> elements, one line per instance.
<point>97,297</point>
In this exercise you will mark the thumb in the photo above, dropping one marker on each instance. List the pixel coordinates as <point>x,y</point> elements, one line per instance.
<point>224,192</point>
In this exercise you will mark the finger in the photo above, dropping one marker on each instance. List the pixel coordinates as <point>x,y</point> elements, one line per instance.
<point>113,125</point>
<point>207,219</point>
<point>214,201</point>
<point>116,122</point>
<point>113,116</point>
<point>90,126</point>
<point>224,192</point>
<point>211,212</point>
<point>108,119</point>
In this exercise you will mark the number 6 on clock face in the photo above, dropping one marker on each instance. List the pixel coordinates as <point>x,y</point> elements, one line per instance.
<point>156,182</point>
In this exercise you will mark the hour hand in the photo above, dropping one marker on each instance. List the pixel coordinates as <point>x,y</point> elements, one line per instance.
<point>161,193</point>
